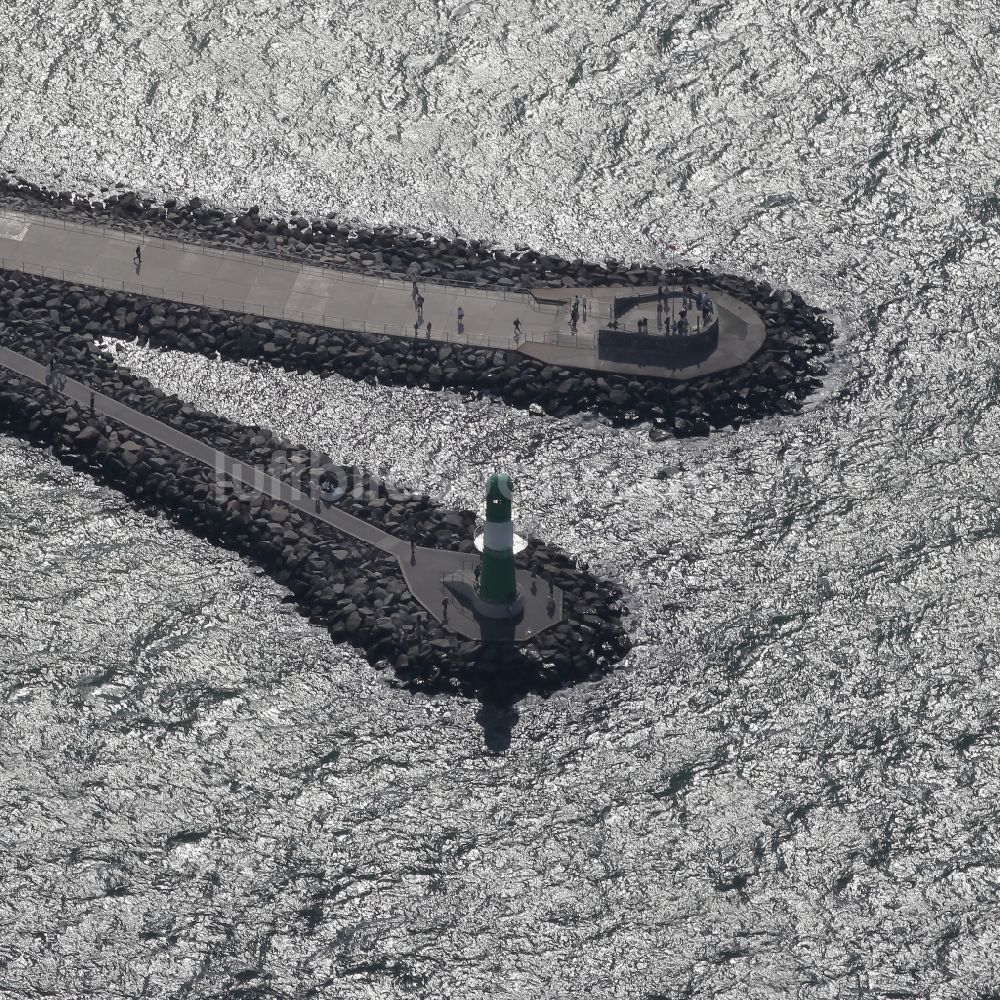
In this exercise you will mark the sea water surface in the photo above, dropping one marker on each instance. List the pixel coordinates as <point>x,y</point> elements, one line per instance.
<point>789,789</point>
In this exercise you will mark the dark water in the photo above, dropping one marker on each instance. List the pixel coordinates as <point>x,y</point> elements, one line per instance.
<point>790,788</point>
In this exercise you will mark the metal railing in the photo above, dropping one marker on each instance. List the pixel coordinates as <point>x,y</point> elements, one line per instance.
<point>247,308</point>
<point>262,257</point>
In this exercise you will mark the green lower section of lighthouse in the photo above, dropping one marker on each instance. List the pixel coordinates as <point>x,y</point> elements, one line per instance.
<point>497,577</point>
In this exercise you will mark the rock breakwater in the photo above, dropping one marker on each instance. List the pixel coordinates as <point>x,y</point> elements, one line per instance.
<point>355,591</point>
<point>775,381</point>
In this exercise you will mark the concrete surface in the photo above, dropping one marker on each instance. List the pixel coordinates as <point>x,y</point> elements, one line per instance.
<point>251,283</point>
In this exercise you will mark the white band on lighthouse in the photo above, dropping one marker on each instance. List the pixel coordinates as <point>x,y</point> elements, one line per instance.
<point>498,536</point>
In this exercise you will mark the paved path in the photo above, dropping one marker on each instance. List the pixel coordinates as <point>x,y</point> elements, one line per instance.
<point>423,575</point>
<point>253,283</point>
<point>325,296</point>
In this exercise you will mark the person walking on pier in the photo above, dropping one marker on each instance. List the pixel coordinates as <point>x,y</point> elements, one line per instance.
<point>420,307</point>
<point>583,306</point>
<point>659,314</point>
<point>461,318</point>
<point>415,293</point>
<point>517,329</point>
<point>416,329</point>
<point>428,331</point>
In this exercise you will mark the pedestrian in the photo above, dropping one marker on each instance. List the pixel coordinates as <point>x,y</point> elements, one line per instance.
<point>659,294</point>
<point>415,292</point>
<point>461,315</point>
<point>517,328</point>
<point>428,331</point>
<point>416,329</point>
<point>550,606</point>
<point>413,552</point>
<point>444,609</point>
<point>659,313</point>
<point>699,298</point>
<point>576,302</point>
<point>583,303</point>
<point>706,311</point>
<point>92,402</point>
<point>138,254</point>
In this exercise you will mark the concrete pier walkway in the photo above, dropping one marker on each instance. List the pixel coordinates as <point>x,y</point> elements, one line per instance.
<point>251,283</point>
<point>423,574</point>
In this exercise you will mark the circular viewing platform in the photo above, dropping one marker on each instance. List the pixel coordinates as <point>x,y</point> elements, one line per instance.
<point>635,332</point>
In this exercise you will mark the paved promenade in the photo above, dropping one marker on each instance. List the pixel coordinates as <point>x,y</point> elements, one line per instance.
<point>423,574</point>
<point>252,283</point>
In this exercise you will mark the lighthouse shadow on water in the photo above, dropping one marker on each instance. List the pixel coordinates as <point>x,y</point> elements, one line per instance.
<point>498,719</point>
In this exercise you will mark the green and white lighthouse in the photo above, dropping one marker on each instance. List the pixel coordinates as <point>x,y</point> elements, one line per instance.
<point>497,576</point>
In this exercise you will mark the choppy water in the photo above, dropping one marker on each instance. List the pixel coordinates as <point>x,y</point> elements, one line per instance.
<point>791,787</point>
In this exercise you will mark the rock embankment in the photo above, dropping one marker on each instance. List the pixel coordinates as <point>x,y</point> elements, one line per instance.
<point>774,381</point>
<point>353,590</point>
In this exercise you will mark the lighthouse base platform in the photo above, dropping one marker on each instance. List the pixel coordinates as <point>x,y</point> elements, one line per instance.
<point>464,588</point>
<point>433,576</point>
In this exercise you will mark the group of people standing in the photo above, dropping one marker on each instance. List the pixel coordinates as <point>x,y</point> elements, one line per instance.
<point>418,302</point>
<point>680,326</point>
